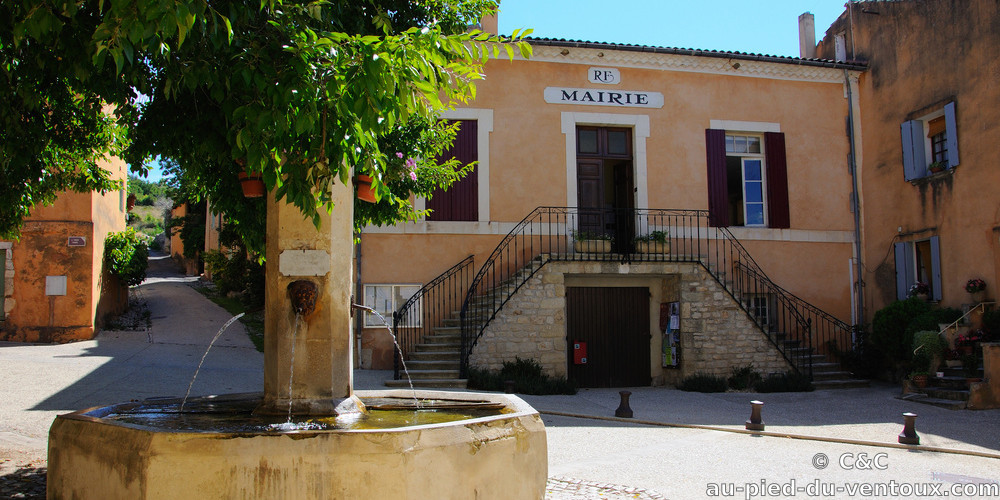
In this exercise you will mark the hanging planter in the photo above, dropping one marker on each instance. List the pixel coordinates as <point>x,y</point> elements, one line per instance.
<point>364,184</point>
<point>252,184</point>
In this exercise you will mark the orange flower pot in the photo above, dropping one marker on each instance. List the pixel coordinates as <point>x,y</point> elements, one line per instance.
<point>252,184</point>
<point>364,184</point>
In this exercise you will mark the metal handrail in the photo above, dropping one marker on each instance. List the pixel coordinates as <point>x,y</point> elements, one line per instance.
<point>546,234</point>
<point>427,309</point>
<point>981,305</point>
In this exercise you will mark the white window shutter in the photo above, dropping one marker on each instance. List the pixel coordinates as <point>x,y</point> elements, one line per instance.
<point>914,164</point>
<point>936,268</point>
<point>951,130</point>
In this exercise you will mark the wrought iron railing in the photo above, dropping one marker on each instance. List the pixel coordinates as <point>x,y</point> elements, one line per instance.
<point>429,307</point>
<point>547,234</point>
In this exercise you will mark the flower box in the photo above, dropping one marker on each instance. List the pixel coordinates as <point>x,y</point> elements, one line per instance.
<point>592,246</point>
<point>652,247</point>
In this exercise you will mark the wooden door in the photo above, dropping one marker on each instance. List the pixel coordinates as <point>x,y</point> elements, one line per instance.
<point>613,323</point>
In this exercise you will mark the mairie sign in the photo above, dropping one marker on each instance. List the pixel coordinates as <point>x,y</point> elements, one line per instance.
<point>594,97</point>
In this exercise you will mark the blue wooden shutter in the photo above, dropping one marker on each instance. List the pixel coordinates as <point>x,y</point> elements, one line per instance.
<point>935,268</point>
<point>905,272</point>
<point>914,162</point>
<point>777,180</point>
<point>951,130</point>
<point>718,190</point>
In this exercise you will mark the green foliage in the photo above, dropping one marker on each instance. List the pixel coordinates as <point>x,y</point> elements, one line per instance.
<point>930,343</point>
<point>891,335</point>
<point>655,236</point>
<point>587,235</point>
<point>300,92</point>
<point>789,381</point>
<point>703,382</point>
<point>744,377</point>
<point>126,256</point>
<point>920,364</point>
<point>527,375</point>
<point>234,271</point>
<point>146,193</point>
<point>991,323</point>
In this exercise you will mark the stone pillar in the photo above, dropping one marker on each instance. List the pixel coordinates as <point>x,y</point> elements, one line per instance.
<point>986,394</point>
<point>319,341</point>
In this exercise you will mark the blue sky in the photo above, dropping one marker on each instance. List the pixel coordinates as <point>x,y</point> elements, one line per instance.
<point>733,25</point>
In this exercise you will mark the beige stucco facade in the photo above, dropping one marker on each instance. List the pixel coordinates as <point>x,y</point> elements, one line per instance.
<point>56,287</point>
<point>527,159</point>
<point>924,56</point>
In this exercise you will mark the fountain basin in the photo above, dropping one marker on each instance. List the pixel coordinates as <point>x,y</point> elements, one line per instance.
<point>498,456</point>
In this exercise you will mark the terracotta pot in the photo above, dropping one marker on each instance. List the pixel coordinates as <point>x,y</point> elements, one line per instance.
<point>364,184</point>
<point>252,184</point>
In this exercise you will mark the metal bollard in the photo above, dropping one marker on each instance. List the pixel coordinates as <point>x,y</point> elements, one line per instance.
<point>909,434</point>
<point>623,410</point>
<point>755,423</point>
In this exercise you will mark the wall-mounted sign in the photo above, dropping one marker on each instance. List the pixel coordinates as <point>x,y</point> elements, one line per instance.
<point>592,97</point>
<point>607,76</point>
<point>76,241</point>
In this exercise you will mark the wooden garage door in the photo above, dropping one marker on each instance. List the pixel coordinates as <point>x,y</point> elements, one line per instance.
<point>614,324</point>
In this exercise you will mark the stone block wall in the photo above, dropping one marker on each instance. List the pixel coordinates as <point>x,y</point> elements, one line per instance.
<point>716,335</point>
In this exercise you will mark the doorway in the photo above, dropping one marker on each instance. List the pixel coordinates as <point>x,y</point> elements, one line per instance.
<point>609,337</point>
<point>606,184</point>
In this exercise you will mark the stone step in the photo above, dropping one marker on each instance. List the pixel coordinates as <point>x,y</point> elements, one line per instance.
<point>840,384</point>
<point>831,375</point>
<point>942,393</point>
<point>433,356</point>
<point>459,383</point>
<point>950,404</point>
<point>438,364</point>
<point>437,347</point>
<point>433,374</point>
<point>443,338</point>
<point>949,382</point>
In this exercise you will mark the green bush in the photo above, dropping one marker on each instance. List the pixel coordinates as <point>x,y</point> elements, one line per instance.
<point>126,256</point>
<point>232,272</point>
<point>528,377</point>
<point>744,377</point>
<point>703,382</point>
<point>789,381</point>
<point>890,328</point>
<point>991,323</point>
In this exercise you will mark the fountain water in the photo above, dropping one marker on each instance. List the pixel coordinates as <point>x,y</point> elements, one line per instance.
<point>395,342</point>
<point>96,454</point>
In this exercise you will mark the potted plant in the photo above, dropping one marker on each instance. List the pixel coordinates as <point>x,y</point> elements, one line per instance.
<point>919,364</point>
<point>930,344</point>
<point>585,241</point>
<point>252,184</point>
<point>654,242</point>
<point>953,358</point>
<point>920,290</point>
<point>364,185</point>
<point>966,343</point>
<point>975,288</point>
<point>938,166</point>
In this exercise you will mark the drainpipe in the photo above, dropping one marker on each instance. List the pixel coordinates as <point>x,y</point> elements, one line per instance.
<point>359,320</point>
<point>855,206</point>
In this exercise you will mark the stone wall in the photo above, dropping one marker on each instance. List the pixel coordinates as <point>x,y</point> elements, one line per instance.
<point>716,335</point>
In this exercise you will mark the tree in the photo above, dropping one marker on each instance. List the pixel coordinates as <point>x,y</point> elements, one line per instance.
<point>300,91</point>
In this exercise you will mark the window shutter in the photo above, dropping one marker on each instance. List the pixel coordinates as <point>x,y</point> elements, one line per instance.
<point>777,180</point>
<point>718,194</point>
<point>904,269</point>
<point>935,268</point>
<point>461,201</point>
<point>952,130</point>
<point>914,163</point>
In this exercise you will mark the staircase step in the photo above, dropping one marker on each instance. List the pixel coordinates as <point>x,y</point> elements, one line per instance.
<point>458,383</point>
<point>831,375</point>
<point>840,384</point>
<point>824,366</point>
<point>436,347</point>
<point>950,404</point>
<point>951,394</point>
<point>433,374</point>
<point>949,382</point>
<point>433,356</point>
<point>451,364</point>
<point>443,338</point>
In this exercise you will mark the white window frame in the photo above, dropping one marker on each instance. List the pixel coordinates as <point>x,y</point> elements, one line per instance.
<point>918,149</point>
<point>743,173</point>
<point>396,298</point>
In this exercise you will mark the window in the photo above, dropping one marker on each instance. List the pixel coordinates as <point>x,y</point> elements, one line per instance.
<point>931,140</point>
<point>760,306</point>
<point>461,201</point>
<point>747,179</point>
<point>918,261</point>
<point>387,299</point>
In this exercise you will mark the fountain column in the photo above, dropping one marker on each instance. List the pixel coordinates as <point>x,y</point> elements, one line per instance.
<point>317,343</point>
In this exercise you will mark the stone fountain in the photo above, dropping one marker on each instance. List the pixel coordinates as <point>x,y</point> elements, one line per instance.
<point>308,374</point>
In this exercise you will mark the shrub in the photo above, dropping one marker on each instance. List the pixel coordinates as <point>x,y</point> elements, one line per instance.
<point>789,381</point>
<point>744,377</point>
<point>703,382</point>
<point>991,323</point>
<point>890,324</point>
<point>126,256</point>
<point>232,272</point>
<point>528,377</point>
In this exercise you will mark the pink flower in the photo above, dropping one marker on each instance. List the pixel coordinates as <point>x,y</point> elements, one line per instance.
<point>399,155</point>
<point>413,175</point>
<point>411,163</point>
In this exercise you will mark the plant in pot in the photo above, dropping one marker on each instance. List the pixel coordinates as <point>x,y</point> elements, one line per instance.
<point>976,287</point>
<point>920,290</point>
<point>932,345</point>
<point>953,358</point>
<point>920,365</point>
<point>586,241</point>
<point>938,166</point>
<point>654,242</point>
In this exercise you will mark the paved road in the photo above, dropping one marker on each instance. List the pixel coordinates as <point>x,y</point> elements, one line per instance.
<point>677,446</point>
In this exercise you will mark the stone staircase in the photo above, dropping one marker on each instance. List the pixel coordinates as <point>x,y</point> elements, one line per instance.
<point>950,391</point>
<point>434,363</point>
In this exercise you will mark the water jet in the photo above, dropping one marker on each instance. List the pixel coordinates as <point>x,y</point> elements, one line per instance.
<point>328,449</point>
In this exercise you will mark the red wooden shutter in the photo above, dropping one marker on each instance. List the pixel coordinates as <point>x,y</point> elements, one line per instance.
<point>461,201</point>
<point>718,193</point>
<point>777,180</point>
